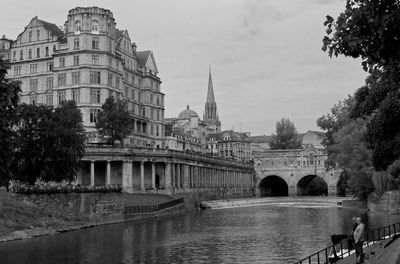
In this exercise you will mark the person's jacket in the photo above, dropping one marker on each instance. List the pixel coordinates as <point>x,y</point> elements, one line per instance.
<point>359,232</point>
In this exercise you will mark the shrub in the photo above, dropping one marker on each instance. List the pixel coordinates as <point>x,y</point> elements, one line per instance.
<point>44,188</point>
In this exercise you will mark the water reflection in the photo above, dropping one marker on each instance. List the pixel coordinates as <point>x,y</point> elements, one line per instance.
<point>265,234</point>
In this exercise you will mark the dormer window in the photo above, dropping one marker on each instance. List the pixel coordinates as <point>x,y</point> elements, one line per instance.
<point>78,26</point>
<point>95,26</point>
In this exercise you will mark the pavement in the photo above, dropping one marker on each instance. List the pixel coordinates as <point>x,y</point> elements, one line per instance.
<point>377,254</point>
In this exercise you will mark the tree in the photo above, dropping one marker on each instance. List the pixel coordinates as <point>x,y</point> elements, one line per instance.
<point>114,120</point>
<point>50,143</point>
<point>8,116</point>
<point>286,135</point>
<point>65,143</point>
<point>370,30</point>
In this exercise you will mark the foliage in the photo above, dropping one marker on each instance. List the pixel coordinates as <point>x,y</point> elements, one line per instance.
<point>286,135</point>
<point>49,143</point>
<point>370,30</point>
<point>8,103</point>
<point>46,188</point>
<point>114,120</point>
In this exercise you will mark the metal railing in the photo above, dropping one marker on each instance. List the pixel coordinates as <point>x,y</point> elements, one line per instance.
<point>345,247</point>
<point>143,209</point>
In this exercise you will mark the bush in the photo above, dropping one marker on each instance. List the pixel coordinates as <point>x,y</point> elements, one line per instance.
<point>41,188</point>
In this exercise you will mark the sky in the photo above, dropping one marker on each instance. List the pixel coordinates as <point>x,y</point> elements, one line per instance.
<point>265,55</point>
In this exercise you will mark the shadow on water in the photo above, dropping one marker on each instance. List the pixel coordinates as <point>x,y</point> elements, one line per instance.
<point>263,234</point>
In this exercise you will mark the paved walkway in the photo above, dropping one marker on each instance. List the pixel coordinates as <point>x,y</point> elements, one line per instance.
<point>378,255</point>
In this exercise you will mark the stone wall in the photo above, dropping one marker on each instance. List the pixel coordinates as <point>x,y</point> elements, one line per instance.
<point>92,207</point>
<point>389,202</point>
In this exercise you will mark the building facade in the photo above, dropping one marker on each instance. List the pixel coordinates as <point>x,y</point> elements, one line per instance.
<point>88,60</point>
<point>230,144</point>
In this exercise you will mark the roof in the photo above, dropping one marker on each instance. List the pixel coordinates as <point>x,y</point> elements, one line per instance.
<point>319,133</point>
<point>232,135</point>
<point>187,114</point>
<point>52,28</point>
<point>260,139</point>
<point>143,56</point>
<point>210,91</point>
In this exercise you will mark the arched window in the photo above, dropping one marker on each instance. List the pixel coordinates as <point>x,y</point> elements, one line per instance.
<point>95,26</point>
<point>78,26</point>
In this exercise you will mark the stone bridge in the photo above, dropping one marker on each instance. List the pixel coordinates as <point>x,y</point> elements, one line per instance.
<point>292,172</point>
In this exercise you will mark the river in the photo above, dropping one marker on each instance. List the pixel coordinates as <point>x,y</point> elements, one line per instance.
<point>271,234</point>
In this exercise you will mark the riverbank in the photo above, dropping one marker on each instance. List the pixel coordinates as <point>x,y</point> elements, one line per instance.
<point>28,216</point>
<point>315,201</point>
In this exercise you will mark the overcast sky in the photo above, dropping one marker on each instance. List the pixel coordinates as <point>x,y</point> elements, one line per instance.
<point>265,55</point>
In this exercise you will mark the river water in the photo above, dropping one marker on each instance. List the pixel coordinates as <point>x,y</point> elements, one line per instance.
<point>270,234</point>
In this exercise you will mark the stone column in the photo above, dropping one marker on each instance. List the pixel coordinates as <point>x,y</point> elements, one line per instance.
<point>127,176</point>
<point>186,176</point>
<point>92,173</point>
<point>178,175</point>
<point>168,178</point>
<point>108,173</point>
<point>153,175</point>
<point>173,182</point>
<point>142,176</point>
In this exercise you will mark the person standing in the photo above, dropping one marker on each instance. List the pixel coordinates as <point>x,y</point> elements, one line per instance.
<point>358,235</point>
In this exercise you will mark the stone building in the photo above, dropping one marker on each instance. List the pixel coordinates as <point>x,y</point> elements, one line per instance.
<point>88,60</point>
<point>5,46</point>
<point>230,144</point>
<point>189,122</point>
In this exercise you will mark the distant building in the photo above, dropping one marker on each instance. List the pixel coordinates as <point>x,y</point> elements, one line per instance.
<point>189,122</point>
<point>260,144</point>
<point>5,47</point>
<point>88,60</point>
<point>230,144</point>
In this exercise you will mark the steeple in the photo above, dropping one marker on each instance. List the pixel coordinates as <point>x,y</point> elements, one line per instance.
<point>210,109</point>
<point>210,92</point>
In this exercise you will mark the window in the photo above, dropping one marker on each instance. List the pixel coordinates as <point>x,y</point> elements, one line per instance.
<point>126,76</point>
<point>151,114</point>
<point>49,66</point>
<point>151,98</point>
<point>126,91</point>
<point>78,26</point>
<point>33,84</point>
<point>46,52</point>
<point>110,62</point>
<point>133,94</point>
<point>157,130</point>
<point>76,43</point>
<point>49,83</point>
<point>54,48</point>
<point>93,115</point>
<point>30,36</point>
<point>61,97</point>
<point>95,43</point>
<point>94,96</point>
<point>17,70</point>
<point>38,34</point>
<point>33,68</point>
<point>62,62</point>
<point>95,77</point>
<point>117,64</point>
<point>140,82</point>
<point>158,100</point>
<point>38,53</point>
<point>95,59</point>
<point>61,79</point>
<point>29,54</point>
<point>158,115</point>
<point>76,60</point>
<point>95,26</point>
<point>151,129</point>
<point>117,82</point>
<point>76,96</point>
<point>133,79</point>
<point>76,78</point>
<point>49,99</point>
<point>14,55</point>
<point>32,99</point>
<point>144,112</point>
<point>110,80</point>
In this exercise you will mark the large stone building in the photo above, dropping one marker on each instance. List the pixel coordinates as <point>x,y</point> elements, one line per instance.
<point>88,60</point>
<point>188,121</point>
<point>230,144</point>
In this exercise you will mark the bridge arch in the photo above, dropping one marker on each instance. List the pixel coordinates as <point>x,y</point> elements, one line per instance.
<point>273,185</point>
<point>313,185</point>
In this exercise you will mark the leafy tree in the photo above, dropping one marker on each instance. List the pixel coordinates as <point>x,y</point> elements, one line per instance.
<point>50,143</point>
<point>370,30</point>
<point>114,120</point>
<point>65,143</point>
<point>30,155</point>
<point>8,103</point>
<point>286,135</point>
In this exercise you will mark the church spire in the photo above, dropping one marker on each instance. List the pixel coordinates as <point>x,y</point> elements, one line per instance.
<point>210,92</point>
